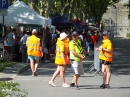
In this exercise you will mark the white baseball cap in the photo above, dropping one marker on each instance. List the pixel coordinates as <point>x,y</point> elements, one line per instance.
<point>63,35</point>
<point>34,31</point>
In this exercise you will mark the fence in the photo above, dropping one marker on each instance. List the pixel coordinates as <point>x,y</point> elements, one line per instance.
<point>96,64</point>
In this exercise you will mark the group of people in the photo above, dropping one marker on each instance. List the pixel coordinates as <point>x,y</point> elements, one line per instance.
<point>76,56</point>
<point>68,51</point>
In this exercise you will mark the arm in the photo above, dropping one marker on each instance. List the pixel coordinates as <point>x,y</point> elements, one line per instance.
<point>21,40</point>
<point>77,55</point>
<point>41,51</point>
<point>41,47</point>
<point>108,49</point>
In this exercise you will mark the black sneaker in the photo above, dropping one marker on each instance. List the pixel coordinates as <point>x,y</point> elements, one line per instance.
<point>72,84</point>
<point>77,87</point>
<point>102,86</point>
<point>35,74</point>
<point>107,86</point>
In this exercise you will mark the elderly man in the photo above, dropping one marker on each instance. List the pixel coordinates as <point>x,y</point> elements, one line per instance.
<point>34,51</point>
<point>76,57</point>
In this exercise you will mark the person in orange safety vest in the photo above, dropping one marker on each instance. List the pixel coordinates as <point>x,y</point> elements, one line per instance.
<point>61,59</point>
<point>34,51</point>
<point>105,55</point>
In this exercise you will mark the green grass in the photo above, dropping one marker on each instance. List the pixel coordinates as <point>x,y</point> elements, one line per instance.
<point>4,63</point>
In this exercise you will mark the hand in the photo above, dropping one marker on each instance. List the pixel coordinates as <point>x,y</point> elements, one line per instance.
<point>97,49</point>
<point>82,57</point>
<point>41,54</point>
<point>100,48</point>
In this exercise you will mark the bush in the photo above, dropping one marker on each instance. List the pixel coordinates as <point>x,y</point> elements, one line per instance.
<point>11,89</point>
<point>4,63</point>
<point>128,35</point>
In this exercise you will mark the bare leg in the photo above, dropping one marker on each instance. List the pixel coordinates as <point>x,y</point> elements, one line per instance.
<point>54,76</point>
<point>104,73</point>
<point>32,65</point>
<point>36,65</point>
<point>108,71</point>
<point>75,79</point>
<point>62,71</point>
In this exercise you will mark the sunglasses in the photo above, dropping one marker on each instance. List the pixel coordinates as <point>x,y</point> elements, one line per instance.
<point>104,35</point>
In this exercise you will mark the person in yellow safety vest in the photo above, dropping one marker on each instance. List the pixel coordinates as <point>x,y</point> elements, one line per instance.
<point>105,55</point>
<point>61,59</point>
<point>76,57</point>
<point>34,51</point>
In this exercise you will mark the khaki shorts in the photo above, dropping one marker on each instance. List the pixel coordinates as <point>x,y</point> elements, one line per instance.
<point>77,67</point>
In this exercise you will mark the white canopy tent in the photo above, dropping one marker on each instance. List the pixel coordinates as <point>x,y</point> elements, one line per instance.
<point>20,13</point>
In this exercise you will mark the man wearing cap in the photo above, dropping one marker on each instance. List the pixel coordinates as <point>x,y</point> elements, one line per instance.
<point>105,55</point>
<point>34,51</point>
<point>61,59</point>
<point>76,57</point>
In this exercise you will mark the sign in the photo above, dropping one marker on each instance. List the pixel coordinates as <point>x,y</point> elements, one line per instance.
<point>4,12</point>
<point>4,4</point>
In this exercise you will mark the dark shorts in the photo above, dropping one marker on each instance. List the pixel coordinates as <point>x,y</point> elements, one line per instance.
<point>105,62</point>
<point>11,49</point>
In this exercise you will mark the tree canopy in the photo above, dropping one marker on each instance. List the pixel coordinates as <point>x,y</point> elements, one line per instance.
<point>82,9</point>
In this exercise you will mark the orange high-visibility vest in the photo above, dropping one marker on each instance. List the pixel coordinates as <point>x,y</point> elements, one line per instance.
<point>58,58</point>
<point>105,55</point>
<point>33,46</point>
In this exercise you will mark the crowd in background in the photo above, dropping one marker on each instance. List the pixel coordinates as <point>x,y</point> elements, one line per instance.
<point>88,38</point>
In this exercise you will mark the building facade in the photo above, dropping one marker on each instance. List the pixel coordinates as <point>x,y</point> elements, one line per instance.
<point>116,19</point>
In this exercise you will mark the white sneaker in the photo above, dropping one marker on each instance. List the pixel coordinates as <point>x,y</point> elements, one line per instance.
<point>65,85</point>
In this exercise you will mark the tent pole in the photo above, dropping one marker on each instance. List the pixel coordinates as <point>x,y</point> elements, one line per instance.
<point>3,20</point>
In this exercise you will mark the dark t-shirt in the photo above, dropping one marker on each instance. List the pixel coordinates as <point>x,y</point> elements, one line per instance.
<point>48,39</point>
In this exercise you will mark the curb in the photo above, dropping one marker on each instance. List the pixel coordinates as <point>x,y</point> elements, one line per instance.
<point>9,73</point>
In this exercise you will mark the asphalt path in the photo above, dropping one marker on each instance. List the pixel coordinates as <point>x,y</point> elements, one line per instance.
<point>89,85</point>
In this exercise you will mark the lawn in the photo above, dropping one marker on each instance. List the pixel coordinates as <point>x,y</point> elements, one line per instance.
<point>4,63</point>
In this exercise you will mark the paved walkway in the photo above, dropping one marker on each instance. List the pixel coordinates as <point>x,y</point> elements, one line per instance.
<point>120,82</point>
<point>89,85</point>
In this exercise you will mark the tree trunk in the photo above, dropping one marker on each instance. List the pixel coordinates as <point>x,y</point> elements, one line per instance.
<point>32,4</point>
<point>42,7</point>
<point>49,7</point>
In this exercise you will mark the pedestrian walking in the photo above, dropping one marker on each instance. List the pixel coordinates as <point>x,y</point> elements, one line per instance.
<point>23,48</point>
<point>34,51</point>
<point>61,59</point>
<point>76,57</point>
<point>105,55</point>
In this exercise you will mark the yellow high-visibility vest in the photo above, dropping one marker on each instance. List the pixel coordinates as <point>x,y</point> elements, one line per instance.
<point>58,58</point>
<point>105,55</point>
<point>33,46</point>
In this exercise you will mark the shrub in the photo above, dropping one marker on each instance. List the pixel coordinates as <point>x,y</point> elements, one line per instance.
<point>128,35</point>
<point>4,63</point>
<point>11,89</point>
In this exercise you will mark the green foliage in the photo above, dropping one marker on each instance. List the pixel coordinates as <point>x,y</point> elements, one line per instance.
<point>88,8</point>
<point>128,35</point>
<point>10,89</point>
<point>4,64</point>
